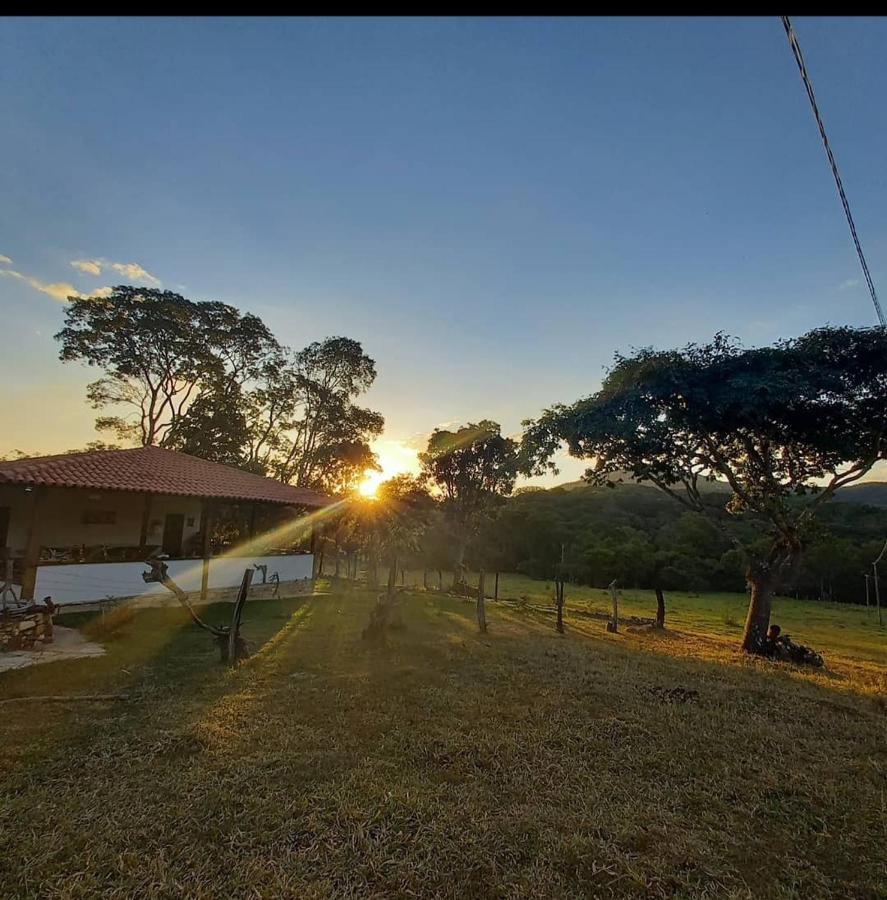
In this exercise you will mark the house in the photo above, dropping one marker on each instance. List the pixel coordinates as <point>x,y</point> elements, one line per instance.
<point>76,526</point>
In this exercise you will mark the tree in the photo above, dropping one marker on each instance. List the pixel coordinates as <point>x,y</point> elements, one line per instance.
<point>317,436</point>
<point>158,351</point>
<point>785,426</point>
<point>214,427</point>
<point>392,525</point>
<point>472,469</point>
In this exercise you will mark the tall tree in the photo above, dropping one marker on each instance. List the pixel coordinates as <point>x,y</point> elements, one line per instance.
<point>324,437</point>
<point>472,469</point>
<point>158,351</point>
<point>785,426</point>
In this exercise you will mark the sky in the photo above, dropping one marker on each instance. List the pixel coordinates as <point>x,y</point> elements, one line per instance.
<point>492,207</point>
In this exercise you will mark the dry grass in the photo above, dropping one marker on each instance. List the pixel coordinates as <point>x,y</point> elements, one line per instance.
<point>524,763</point>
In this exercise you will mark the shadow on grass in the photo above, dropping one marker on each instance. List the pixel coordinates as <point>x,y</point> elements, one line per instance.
<point>154,657</point>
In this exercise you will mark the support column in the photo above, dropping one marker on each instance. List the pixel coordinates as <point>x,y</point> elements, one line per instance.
<point>32,543</point>
<point>206,524</point>
<point>146,520</point>
<point>312,546</point>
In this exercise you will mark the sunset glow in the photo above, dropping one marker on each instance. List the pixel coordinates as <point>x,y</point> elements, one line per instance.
<point>395,458</point>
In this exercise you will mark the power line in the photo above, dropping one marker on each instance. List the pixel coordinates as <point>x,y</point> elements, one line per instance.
<point>799,59</point>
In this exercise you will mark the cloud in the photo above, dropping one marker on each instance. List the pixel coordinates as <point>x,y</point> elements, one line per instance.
<point>849,283</point>
<point>132,271</point>
<point>58,290</point>
<point>5,260</point>
<point>87,266</point>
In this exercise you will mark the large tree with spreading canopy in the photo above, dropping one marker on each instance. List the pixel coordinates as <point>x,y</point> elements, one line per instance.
<point>784,426</point>
<point>472,469</point>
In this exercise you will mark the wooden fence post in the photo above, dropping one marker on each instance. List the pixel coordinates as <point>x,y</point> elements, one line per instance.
<point>613,624</point>
<point>481,604</point>
<point>234,653</point>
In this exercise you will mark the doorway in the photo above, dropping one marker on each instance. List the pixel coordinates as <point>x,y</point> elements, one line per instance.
<point>173,527</point>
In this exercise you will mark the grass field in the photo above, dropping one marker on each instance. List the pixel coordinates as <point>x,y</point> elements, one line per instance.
<point>522,763</point>
<point>843,629</point>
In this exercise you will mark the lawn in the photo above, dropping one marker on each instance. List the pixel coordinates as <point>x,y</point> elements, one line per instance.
<point>522,763</point>
<point>847,630</point>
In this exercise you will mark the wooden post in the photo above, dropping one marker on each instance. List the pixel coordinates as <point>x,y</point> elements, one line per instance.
<point>496,588</point>
<point>146,520</point>
<point>234,634</point>
<point>7,579</point>
<point>559,595</point>
<point>613,625</point>
<point>392,578</point>
<point>877,593</point>
<point>313,548</point>
<point>660,608</point>
<point>481,604</point>
<point>206,522</point>
<point>32,544</point>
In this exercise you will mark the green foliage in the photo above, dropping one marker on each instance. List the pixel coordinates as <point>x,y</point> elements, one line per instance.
<point>471,469</point>
<point>159,350</point>
<point>209,380</point>
<point>640,537</point>
<point>785,426</point>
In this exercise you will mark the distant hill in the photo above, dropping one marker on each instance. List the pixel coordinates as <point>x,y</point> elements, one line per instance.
<point>869,493</point>
<point>626,478</point>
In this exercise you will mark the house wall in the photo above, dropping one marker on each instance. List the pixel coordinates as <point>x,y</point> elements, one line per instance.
<point>62,509</point>
<point>89,582</point>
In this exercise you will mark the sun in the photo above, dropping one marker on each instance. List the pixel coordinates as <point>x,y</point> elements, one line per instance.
<point>370,484</point>
<point>394,457</point>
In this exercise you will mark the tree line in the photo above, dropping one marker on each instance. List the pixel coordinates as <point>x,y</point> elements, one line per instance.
<point>749,445</point>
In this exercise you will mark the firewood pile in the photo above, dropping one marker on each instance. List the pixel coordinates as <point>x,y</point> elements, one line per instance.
<point>25,628</point>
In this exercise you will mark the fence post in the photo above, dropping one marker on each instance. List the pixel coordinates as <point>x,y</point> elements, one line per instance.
<point>234,633</point>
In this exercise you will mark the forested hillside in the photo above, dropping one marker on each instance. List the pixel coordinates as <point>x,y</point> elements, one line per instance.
<point>639,536</point>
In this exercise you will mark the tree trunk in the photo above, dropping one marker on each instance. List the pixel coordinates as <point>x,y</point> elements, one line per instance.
<point>496,588</point>
<point>459,568</point>
<point>338,563</point>
<point>392,578</point>
<point>758,620</point>
<point>660,608</point>
<point>481,604</point>
<point>439,580</point>
<point>425,578</point>
<point>559,594</point>
<point>373,568</point>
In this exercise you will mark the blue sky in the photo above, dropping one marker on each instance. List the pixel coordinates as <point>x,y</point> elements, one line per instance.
<point>491,206</point>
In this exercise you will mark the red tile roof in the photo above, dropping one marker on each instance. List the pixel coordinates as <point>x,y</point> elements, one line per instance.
<point>155,471</point>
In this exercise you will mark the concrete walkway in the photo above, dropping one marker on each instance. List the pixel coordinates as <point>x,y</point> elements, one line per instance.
<point>68,644</point>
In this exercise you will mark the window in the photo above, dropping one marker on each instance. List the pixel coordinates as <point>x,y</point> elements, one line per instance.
<point>98,517</point>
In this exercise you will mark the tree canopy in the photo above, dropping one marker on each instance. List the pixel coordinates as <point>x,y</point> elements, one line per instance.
<point>471,469</point>
<point>785,426</point>
<point>207,379</point>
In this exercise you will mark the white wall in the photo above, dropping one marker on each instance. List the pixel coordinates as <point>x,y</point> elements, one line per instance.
<point>88,582</point>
